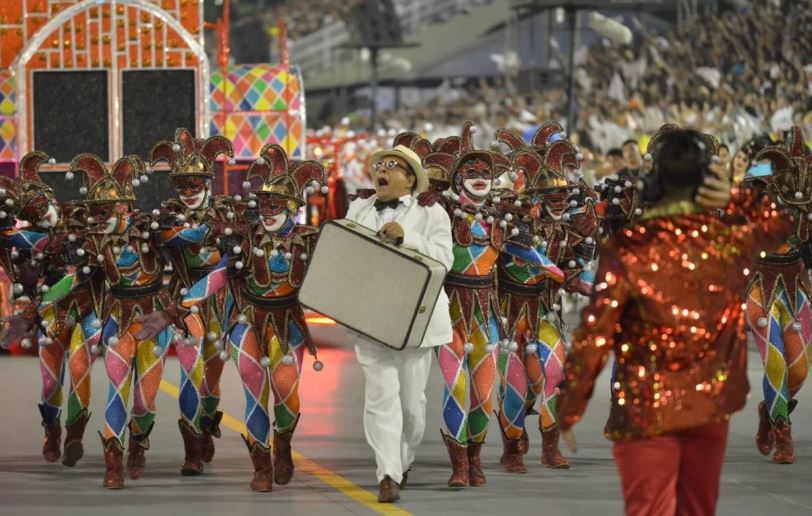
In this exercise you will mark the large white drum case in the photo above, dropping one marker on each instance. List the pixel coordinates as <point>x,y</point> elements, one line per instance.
<point>383,291</point>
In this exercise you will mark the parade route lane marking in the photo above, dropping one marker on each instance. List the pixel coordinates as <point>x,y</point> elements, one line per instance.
<point>341,484</point>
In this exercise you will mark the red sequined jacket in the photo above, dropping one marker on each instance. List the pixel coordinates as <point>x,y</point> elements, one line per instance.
<point>668,301</point>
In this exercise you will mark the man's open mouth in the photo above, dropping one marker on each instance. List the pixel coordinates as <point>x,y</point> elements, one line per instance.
<point>382,181</point>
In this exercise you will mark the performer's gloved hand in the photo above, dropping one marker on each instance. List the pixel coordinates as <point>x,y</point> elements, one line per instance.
<point>585,224</point>
<point>153,324</point>
<point>18,327</point>
<point>66,247</point>
<point>168,220</point>
<point>392,232</point>
<point>8,221</point>
<point>27,276</point>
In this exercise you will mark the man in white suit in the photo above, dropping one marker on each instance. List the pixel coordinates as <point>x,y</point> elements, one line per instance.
<point>395,399</point>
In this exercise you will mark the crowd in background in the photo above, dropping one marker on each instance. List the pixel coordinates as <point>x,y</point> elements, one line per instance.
<point>306,16</point>
<point>736,75</point>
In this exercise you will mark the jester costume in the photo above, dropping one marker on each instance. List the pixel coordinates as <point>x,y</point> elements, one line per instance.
<point>187,224</point>
<point>124,255</point>
<point>468,363</point>
<point>61,311</point>
<point>267,335</point>
<point>778,311</point>
<point>537,262</point>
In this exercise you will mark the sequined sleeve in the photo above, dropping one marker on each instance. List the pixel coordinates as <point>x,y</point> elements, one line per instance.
<point>771,225</point>
<point>594,338</point>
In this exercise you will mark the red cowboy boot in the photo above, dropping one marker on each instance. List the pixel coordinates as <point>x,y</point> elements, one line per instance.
<point>524,442</point>
<point>207,441</point>
<point>53,436</point>
<point>114,468</point>
<point>50,444</point>
<point>512,456</point>
<point>73,439</point>
<point>192,462</point>
<point>784,449</point>
<point>458,453</point>
<point>550,454</point>
<point>282,460</point>
<point>475,473</point>
<point>765,437</point>
<point>263,467</point>
<point>138,445</point>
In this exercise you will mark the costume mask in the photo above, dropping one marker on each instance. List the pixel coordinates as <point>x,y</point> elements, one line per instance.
<point>275,211</point>
<point>475,176</point>
<point>193,192</point>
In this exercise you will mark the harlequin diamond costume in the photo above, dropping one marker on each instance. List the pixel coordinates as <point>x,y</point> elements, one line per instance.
<point>535,264</point>
<point>63,315</point>
<point>778,311</point>
<point>187,225</point>
<point>268,334</point>
<point>469,361</point>
<point>124,255</point>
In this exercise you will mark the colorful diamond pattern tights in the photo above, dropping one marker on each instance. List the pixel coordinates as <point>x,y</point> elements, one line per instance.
<point>784,350</point>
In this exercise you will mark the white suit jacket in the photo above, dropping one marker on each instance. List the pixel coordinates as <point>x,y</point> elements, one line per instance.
<point>427,230</point>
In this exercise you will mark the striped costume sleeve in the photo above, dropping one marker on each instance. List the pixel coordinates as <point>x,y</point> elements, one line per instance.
<point>178,237</point>
<point>208,285</point>
<point>24,239</point>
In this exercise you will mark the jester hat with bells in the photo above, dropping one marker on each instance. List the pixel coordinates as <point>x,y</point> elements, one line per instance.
<point>792,170</point>
<point>557,157</point>
<point>468,157</point>
<point>438,167</point>
<point>189,156</point>
<point>103,186</point>
<point>455,145</point>
<point>28,196</point>
<point>279,177</point>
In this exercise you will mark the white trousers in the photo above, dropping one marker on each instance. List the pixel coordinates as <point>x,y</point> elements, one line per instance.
<point>394,404</point>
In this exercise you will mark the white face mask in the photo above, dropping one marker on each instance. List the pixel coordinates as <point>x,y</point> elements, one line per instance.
<point>551,214</point>
<point>111,225</point>
<point>477,187</point>
<point>50,219</point>
<point>275,223</point>
<point>195,201</point>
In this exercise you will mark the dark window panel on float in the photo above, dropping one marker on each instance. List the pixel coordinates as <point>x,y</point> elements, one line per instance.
<point>154,103</point>
<point>70,113</point>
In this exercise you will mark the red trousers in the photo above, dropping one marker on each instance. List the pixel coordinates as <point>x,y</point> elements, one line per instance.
<point>673,474</point>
